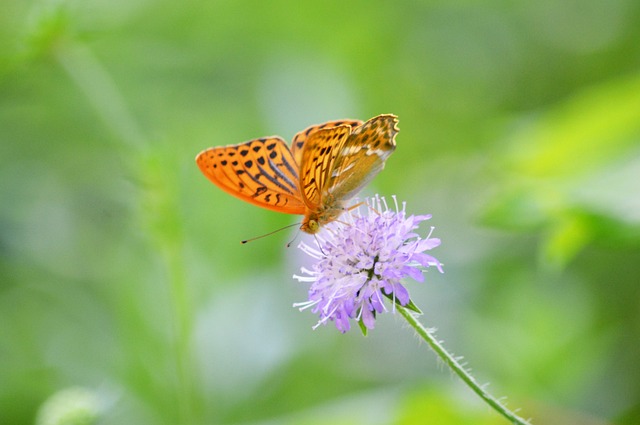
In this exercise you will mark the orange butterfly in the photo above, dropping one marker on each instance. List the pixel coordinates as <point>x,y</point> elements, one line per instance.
<point>325,167</point>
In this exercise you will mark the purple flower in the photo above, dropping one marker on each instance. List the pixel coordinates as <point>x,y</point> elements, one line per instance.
<point>361,261</point>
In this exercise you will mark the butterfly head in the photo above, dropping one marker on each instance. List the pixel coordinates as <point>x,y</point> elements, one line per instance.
<point>314,220</point>
<point>310,225</point>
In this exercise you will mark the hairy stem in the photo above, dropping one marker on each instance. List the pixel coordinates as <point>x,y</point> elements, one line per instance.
<point>459,370</point>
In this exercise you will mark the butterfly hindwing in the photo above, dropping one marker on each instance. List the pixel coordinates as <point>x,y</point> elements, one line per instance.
<point>362,156</point>
<point>261,171</point>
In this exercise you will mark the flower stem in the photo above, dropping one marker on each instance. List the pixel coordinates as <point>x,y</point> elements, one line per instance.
<point>453,363</point>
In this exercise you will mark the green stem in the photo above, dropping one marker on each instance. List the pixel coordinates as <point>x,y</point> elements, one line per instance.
<point>101,91</point>
<point>86,71</point>
<point>459,370</point>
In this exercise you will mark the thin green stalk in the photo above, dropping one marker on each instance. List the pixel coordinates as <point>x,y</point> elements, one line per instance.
<point>459,370</point>
<point>101,91</point>
<point>86,71</point>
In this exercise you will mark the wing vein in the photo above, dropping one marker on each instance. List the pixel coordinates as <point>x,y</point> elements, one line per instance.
<point>290,187</point>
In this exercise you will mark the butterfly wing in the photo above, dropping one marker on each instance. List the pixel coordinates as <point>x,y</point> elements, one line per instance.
<point>300,139</point>
<point>321,149</point>
<point>362,156</point>
<point>262,172</point>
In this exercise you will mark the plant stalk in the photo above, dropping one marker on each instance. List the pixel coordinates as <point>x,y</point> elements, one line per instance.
<point>458,369</point>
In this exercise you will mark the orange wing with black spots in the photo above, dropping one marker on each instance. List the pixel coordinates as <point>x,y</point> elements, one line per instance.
<point>301,137</point>
<point>262,172</point>
<point>318,156</point>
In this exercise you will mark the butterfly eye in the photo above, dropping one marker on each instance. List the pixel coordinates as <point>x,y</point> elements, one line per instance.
<point>313,226</point>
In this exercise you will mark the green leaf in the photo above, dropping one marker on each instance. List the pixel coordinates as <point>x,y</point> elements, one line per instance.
<point>363,328</point>
<point>410,305</point>
<point>585,132</point>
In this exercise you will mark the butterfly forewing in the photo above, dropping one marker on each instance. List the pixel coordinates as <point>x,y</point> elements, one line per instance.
<point>362,156</point>
<point>301,137</point>
<point>319,154</point>
<point>262,172</point>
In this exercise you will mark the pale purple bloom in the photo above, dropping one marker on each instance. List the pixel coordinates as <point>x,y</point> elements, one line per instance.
<point>361,261</point>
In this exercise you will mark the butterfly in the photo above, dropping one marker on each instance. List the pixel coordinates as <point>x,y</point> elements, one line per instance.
<point>327,165</point>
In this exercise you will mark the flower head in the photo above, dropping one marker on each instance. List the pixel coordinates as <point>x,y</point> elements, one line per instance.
<point>362,261</point>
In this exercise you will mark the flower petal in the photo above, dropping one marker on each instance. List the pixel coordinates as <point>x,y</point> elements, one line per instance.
<point>413,273</point>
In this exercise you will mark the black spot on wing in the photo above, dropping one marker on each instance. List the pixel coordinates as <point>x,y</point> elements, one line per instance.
<point>278,178</point>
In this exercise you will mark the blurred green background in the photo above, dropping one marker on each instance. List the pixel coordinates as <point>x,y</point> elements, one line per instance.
<point>122,278</point>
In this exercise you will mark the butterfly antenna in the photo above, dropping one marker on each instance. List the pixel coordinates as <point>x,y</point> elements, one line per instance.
<point>294,238</point>
<point>270,233</point>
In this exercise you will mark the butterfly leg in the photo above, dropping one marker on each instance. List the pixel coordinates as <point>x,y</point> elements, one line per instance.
<point>319,244</point>
<point>353,207</point>
<point>363,203</point>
